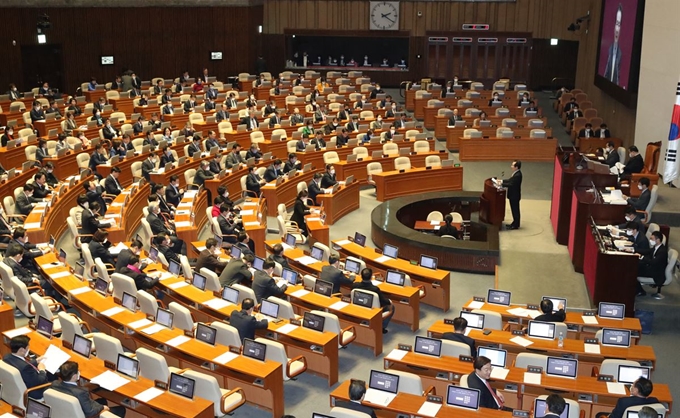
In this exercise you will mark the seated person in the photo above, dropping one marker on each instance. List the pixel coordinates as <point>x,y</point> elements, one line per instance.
<point>635,163</point>
<point>654,261</point>
<point>318,141</point>
<point>244,321</point>
<point>554,406</point>
<point>70,385</point>
<point>639,395</point>
<point>292,163</point>
<point>638,239</point>
<point>32,371</point>
<point>277,255</point>
<point>458,335</point>
<point>123,260</point>
<point>328,180</point>
<point>496,98</point>
<point>588,132</point>
<point>448,228</point>
<point>264,284</point>
<point>478,379</point>
<point>385,302</point>
<point>612,155</point>
<point>603,132</point>
<point>237,271</point>
<point>274,171</point>
<point>548,314</point>
<point>209,259</point>
<point>641,202</point>
<point>357,390</point>
<point>133,271</point>
<point>163,243</point>
<point>631,215</point>
<point>254,152</point>
<point>99,247</point>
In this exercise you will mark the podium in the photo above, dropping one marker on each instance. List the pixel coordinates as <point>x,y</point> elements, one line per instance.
<point>492,204</point>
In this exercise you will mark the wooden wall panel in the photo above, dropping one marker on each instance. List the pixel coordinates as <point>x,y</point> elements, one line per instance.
<point>151,41</point>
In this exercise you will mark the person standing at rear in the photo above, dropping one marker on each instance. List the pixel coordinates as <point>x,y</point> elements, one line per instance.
<point>514,187</point>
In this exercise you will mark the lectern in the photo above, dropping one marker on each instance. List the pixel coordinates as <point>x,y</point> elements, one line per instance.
<point>492,204</point>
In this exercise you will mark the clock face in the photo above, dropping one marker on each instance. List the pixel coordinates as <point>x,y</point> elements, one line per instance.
<point>384,15</point>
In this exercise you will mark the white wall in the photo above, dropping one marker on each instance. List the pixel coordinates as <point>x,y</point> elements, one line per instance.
<point>659,74</point>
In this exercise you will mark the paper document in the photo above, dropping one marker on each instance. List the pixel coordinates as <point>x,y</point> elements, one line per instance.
<point>251,223</point>
<point>53,358</point>
<point>299,293</point>
<point>382,259</point>
<point>148,394</point>
<point>246,212</point>
<point>225,358</point>
<point>306,260</point>
<point>521,341</point>
<point>183,212</point>
<point>434,222</point>
<point>60,274</point>
<point>313,219</point>
<point>616,388</point>
<point>18,331</point>
<point>177,341</point>
<point>113,311</point>
<point>118,248</point>
<point>287,328</point>
<point>518,312</point>
<point>190,193</point>
<point>396,354</point>
<point>591,320</point>
<point>499,373</point>
<point>532,378</point>
<point>533,314</point>
<point>591,348</point>
<point>429,409</point>
<point>182,224</point>
<point>342,242</point>
<point>178,285</point>
<point>338,306</point>
<point>79,290</point>
<point>475,304</point>
<point>110,380</point>
<point>165,276</point>
<point>112,215</point>
<point>216,303</point>
<point>116,204</point>
<point>185,205</point>
<point>32,225</point>
<point>153,329</point>
<point>138,324</point>
<point>246,204</point>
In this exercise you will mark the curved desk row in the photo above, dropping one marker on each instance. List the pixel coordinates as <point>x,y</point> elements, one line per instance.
<point>393,184</point>
<point>454,135</point>
<point>507,149</point>
<point>441,122</point>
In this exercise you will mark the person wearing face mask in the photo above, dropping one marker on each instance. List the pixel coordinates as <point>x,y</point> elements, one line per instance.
<point>148,166</point>
<point>234,158</point>
<point>98,157</point>
<point>389,135</point>
<point>296,118</point>
<point>203,174</point>
<point>25,201</point>
<point>331,126</point>
<point>638,239</point>
<point>344,113</point>
<point>342,138</point>
<point>318,141</point>
<point>274,171</point>
<point>99,247</point>
<point>13,93</point>
<point>158,191</point>
<point>133,270</point>
<point>300,210</point>
<point>173,193</point>
<point>215,166</point>
<point>167,157</point>
<point>163,243</point>
<point>97,117</point>
<point>252,101</point>
<point>641,202</point>
<point>212,141</point>
<point>223,192</point>
<point>7,136</point>
<point>653,262</point>
<point>158,225</point>
<point>209,259</point>
<point>69,384</point>
<point>320,114</point>
<point>376,91</point>
<point>391,111</point>
<point>292,163</point>
<point>314,187</point>
<point>32,371</point>
<point>31,251</point>
<point>494,99</point>
<point>254,152</point>
<point>195,146</point>
<point>631,215</point>
<point>612,155</point>
<point>377,124</point>
<point>5,228</point>
<point>328,180</point>
<point>123,260</point>
<point>228,227</point>
<point>90,223</point>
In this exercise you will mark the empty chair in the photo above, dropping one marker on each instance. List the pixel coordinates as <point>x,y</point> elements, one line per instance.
<point>332,324</point>
<point>410,383</point>
<point>492,320</point>
<point>411,134</point>
<point>373,168</point>
<point>291,229</point>
<point>402,163</point>
<point>225,401</point>
<point>330,157</point>
<point>244,293</point>
<point>525,360</point>
<point>121,284</point>
<point>468,133</point>
<point>669,274</point>
<point>89,272</point>
<point>308,281</point>
<point>153,365</point>
<point>457,217</point>
<point>182,317</point>
<point>277,352</point>
<point>360,152</point>
<point>463,381</point>
<point>72,326</point>
<point>435,215</point>
<point>45,307</point>
<point>147,303</point>
<point>257,137</point>
<point>108,347</point>
<point>212,280</point>
<point>22,300</point>
<point>433,161</point>
<point>455,349</point>
<point>390,149</point>
<point>421,146</point>
<point>537,133</point>
<point>226,334</point>
<point>339,412</point>
<point>13,388</point>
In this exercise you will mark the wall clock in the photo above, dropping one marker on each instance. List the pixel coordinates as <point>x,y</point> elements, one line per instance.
<point>384,15</point>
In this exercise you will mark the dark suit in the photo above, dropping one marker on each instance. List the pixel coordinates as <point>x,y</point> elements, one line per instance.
<point>89,407</point>
<point>313,189</point>
<point>300,146</point>
<point>168,253</point>
<point>328,180</point>
<point>461,338</point>
<point>29,374</point>
<point>611,72</point>
<point>384,300</point>
<point>142,281</point>
<point>227,227</point>
<point>96,196</point>
<point>202,175</point>
<point>552,316</point>
<point>586,133</point>
<point>351,127</point>
<point>165,158</point>
<point>354,406</point>
<point>37,114</point>
<point>249,122</point>
<point>486,399</point>
<point>89,225</point>
<point>109,132</point>
<point>640,203</point>
<point>96,159</point>
<point>189,106</point>
<point>5,138</point>
<point>453,119</point>
<point>99,250</point>
<point>654,264</point>
<point>274,120</point>
<point>111,186</point>
<point>289,166</point>
<point>514,186</point>
<point>233,159</point>
<point>123,259</point>
<point>210,143</point>
<point>147,168</point>
<point>40,192</point>
<point>640,242</point>
<point>235,272</point>
<point>264,286</point>
<point>246,324</point>
<point>612,159</point>
<point>172,195</point>
<point>634,165</point>
<point>210,261</point>
<point>24,204</point>
<point>271,173</point>
<point>299,212</point>
<point>335,276</point>
<point>19,271</point>
<point>40,153</point>
<point>193,148</point>
<point>253,183</point>
<point>221,115</point>
<point>598,133</point>
<point>623,403</point>
<point>138,127</point>
<point>448,230</point>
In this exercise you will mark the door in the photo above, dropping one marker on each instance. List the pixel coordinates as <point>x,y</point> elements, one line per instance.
<point>43,63</point>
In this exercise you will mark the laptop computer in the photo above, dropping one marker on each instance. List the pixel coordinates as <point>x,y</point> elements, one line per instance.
<point>395,277</point>
<point>127,366</point>
<point>460,397</point>
<point>317,253</point>
<point>258,263</point>
<point>541,409</point>
<point>182,385</point>
<point>323,287</point>
<point>352,266</point>
<point>362,299</point>
<point>35,409</point>
<point>497,356</point>
<point>498,297</point>
<point>313,321</point>
<point>230,295</point>
<point>129,302</point>
<point>611,310</point>
<point>428,262</point>
<point>82,345</point>
<point>562,367</point>
<point>382,388</point>
<point>629,374</point>
<point>289,276</point>
<point>615,337</point>
<point>269,308</point>
<point>474,320</point>
<point>290,240</point>
<point>174,268</point>
<point>540,329</point>
<point>428,346</point>
<point>253,349</point>
<point>44,326</point>
<point>199,281</point>
<point>235,252</point>
<point>390,251</point>
<point>359,239</point>
<point>164,317</point>
<point>556,302</point>
<point>101,286</point>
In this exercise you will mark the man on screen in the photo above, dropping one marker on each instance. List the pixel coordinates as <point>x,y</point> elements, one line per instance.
<point>611,71</point>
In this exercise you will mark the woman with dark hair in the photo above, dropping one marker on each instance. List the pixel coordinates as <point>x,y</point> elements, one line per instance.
<point>300,210</point>
<point>99,247</point>
<point>448,228</point>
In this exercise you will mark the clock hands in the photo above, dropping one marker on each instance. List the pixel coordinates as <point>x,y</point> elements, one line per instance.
<point>386,16</point>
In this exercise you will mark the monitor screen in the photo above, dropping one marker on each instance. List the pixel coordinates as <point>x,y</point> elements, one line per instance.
<point>498,297</point>
<point>323,287</point>
<point>206,333</point>
<point>429,346</point>
<point>35,409</point>
<point>497,356</point>
<point>82,345</point>
<point>352,266</point>
<point>541,329</point>
<point>318,415</point>
<point>44,326</point>
<point>235,252</point>
<point>218,243</point>
<point>290,240</point>
<point>634,414</point>
<point>615,337</point>
<point>462,397</point>
<point>181,385</point>
<point>428,262</point>
<point>129,302</point>
<point>230,295</point>
<point>164,317</point>
<point>101,286</point>
<point>253,349</point>
<point>52,241</point>
<point>174,267</point>
<point>363,299</point>
<point>562,367</point>
<point>556,302</point>
<point>384,381</point>
<point>360,239</point>
<point>541,409</point>
<point>395,277</point>
<point>199,281</point>
<point>128,366</point>
<point>629,374</point>
<point>153,254</point>
<point>390,250</point>
<point>289,276</point>
<point>62,254</point>
<point>270,309</point>
<point>317,253</point>
<point>313,321</point>
<point>258,263</point>
<point>611,310</point>
<point>474,320</point>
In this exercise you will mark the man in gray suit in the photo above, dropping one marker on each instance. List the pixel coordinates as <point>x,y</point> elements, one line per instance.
<point>613,67</point>
<point>70,377</point>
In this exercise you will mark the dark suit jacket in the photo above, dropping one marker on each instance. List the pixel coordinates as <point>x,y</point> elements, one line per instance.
<point>123,259</point>
<point>612,159</point>
<point>640,242</point>
<point>89,225</point>
<point>37,114</point>
<point>355,407</point>
<point>89,407</point>
<point>264,286</point>
<point>189,106</point>
<point>23,204</point>
<point>235,272</point>
<point>234,159</point>
<point>98,250</point>
<point>227,228</point>
<point>629,401</point>
<point>142,281</point>
<point>461,338</point>
<point>202,175</point>
<point>40,192</point>
<point>29,374</point>
<point>598,133</point>
<point>335,276</point>
<point>582,133</point>
<point>299,212</point>
<point>192,149</point>
<point>514,185</point>
<point>147,168</point>
<point>157,224</point>
<point>653,264</point>
<point>634,165</point>
<point>19,271</point>
<point>252,183</point>
<point>96,159</point>
<point>351,127</point>
<point>168,253</point>
<point>40,153</point>
<point>552,316</point>
<point>640,203</point>
<point>246,121</point>
<point>210,261</point>
<point>274,120</point>
<point>289,166</point>
<point>313,189</point>
<point>448,230</point>
<point>221,115</point>
<point>486,399</point>
<point>364,285</point>
<point>172,196</point>
<point>165,158</point>
<point>611,72</point>
<point>271,173</point>
<point>327,180</point>
<point>246,324</point>
<point>111,186</point>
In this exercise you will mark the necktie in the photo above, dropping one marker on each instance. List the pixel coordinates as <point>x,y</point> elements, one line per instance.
<point>613,63</point>
<point>587,133</point>
<point>31,364</point>
<point>495,397</point>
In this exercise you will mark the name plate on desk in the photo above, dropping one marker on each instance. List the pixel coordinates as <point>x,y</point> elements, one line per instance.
<point>520,414</point>
<point>404,347</point>
<point>479,299</point>
<point>435,399</point>
<point>591,341</point>
<point>160,384</point>
<point>605,378</point>
<point>591,313</point>
<point>109,365</point>
<point>18,411</point>
<point>517,332</point>
<point>448,321</point>
<point>346,299</point>
<point>296,322</point>
<point>67,345</point>
<point>532,307</point>
<point>235,350</point>
<point>466,359</point>
<point>535,369</point>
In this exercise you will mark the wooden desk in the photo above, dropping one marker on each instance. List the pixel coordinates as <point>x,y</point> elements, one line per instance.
<point>64,166</point>
<point>43,127</point>
<point>454,135</point>
<point>441,122</point>
<point>344,169</point>
<point>589,145</point>
<point>285,192</point>
<point>492,204</point>
<point>6,322</point>
<point>391,184</point>
<point>437,282</point>
<point>507,149</point>
<point>123,104</point>
<point>13,157</point>
<point>338,204</point>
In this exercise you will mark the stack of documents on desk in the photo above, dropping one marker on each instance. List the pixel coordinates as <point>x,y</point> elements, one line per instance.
<point>615,198</point>
<point>622,243</point>
<point>532,313</point>
<point>109,380</point>
<point>306,260</point>
<point>117,248</point>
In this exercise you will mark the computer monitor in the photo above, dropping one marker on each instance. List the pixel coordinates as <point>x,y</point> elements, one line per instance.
<point>182,385</point>
<point>289,276</point>
<point>258,263</point>
<point>474,320</point>
<point>611,310</point>
<point>352,266</point>
<point>323,287</point>
<point>290,240</point>
<point>44,326</point>
<point>317,253</point>
<point>461,397</point>
<point>269,308</point>
<point>360,239</point>
<point>174,268</point>
<point>556,302</point>
<point>235,252</point>
<point>153,254</point>
<point>313,321</point>
<point>541,409</point>
<point>101,286</point>
<point>390,251</point>
<point>164,317</point>
<point>127,366</point>
<point>562,367</point>
<point>635,414</point>
<point>230,295</point>
<point>318,415</point>
<point>386,382</point>
<point>395,277</point>
<point>629,374</point>
<point>62,255</point>
<point>615,337</point>
<point>129,302</point>
<point>428,262</point>
<point>206,333</point>
<point>218,239</point>
<point>498,297</point>
<point>253,349</point>
<point>199,281</point>
<point>540,329</point>
<point>52,241</point>
<point>429,346</point>
<point>35,409</point>
<point>363,299</point>
<point>497,356</point>
<point>82,345</point>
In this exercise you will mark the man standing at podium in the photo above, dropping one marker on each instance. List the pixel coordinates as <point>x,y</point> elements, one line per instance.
<point>514,186</point>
